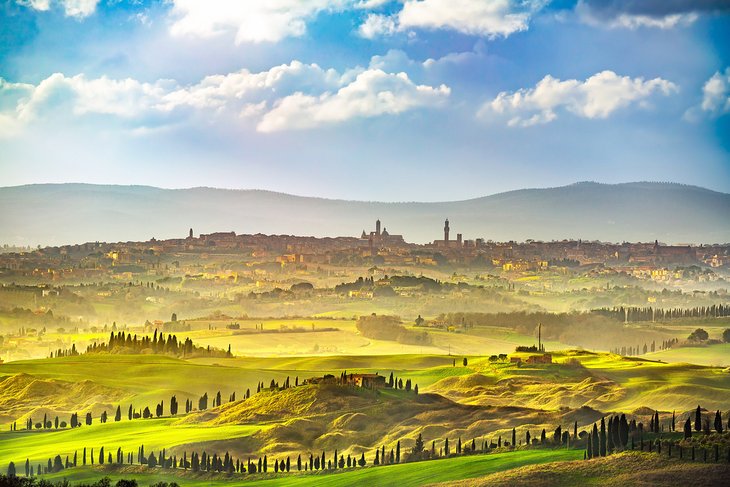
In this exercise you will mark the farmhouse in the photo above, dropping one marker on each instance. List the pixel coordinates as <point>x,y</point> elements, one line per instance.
<point>544,358</point>
<point>367,381</point>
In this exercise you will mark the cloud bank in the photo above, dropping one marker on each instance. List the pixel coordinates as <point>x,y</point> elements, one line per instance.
<point>286,97</point>
<point>597,97</point>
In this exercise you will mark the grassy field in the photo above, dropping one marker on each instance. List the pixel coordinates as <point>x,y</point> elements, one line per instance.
<point>154,434</point>
<point>628,468</point>
<point>714,355</point>
<point>405,475</point>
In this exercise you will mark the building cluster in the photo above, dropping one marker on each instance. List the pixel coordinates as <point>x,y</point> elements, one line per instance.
<point>365,381</point>
<point>265,255</point>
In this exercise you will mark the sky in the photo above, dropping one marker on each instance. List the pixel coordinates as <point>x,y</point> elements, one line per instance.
<point>405,100</point>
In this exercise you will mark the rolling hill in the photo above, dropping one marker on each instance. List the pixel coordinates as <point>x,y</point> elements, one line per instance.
<point>56,214</point>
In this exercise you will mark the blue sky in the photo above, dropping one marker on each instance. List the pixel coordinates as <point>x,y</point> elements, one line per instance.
<point>365,99</point>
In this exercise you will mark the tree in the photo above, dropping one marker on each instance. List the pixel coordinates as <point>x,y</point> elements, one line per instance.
<point>698,419</point>
<point>57,464</point>
<point>130,412</point>
<point>418,447</point>
<point>362,461</point>
<point>173,318</point>
<point>397,452</point>
<point>514,438</point>
<point>718,422</point>
<point>698,335</point>
<point>688,428</point>
<point>623,431</point>
<point>465,362</point>
<point>88,419</point>
<point>726,335</point>
<point>595,441</point>
<point>118,415</point>
<point>11,469</point>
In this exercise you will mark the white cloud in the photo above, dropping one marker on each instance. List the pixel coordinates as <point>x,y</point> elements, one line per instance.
<point>634,21</point>
<point>632,14</point>
<point>489,19</point>
<point>372,93</point>
<point>377,25</point>
<point>127,98</point>
<point>716,93</point>
<point>596,97</point>
<point>715,98</point>
<point>218,91</point>
<point>251,20</point>
<point>371,4</point>
<point>475,17</point>
<point>294,90</point>
<point>72,8</point>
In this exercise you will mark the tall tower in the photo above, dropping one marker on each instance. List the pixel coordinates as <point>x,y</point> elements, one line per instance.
<point>190,235</point>
<point>377,227</point>
<point>446,231</point>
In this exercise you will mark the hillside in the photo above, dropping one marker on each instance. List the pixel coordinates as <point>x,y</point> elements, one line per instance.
<point>630,468</point>
<point>325,417</point>
<point>24,394</point>
<point>55,214</point>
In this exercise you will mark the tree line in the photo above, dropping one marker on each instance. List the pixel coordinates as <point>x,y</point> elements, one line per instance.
<point>127,343</point>
<point>632,313</point>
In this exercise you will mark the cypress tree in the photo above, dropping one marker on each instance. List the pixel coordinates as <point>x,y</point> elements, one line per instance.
<point>514,437</point>
<point>397,452</point>
<point>602,443</point>
<point>589,446</point>
<point>688,429</point>
<point>594,441</point>
<point>698,419</point>
<point>609,439</point>
<point>624,431</point>
<point>718,422</point>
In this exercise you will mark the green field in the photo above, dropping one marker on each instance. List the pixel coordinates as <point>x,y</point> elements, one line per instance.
<point>405,475</point>
<point>154,434</point>
<point>714,355</point>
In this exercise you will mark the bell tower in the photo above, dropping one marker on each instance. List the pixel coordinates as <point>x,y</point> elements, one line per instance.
<point>446,231</point>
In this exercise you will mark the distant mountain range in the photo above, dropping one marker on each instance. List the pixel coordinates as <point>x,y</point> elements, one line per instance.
<point>55,214</point>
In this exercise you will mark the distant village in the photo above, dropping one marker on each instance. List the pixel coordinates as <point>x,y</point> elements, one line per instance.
<point>379,247</point>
